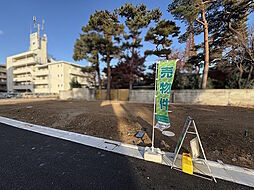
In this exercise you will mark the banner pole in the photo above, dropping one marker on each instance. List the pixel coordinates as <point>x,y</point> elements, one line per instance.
<point>154,104</point>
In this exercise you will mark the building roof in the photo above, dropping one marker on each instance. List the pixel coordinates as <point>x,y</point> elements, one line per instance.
<point>22,54</point>
<point>57,62</point>
<point>70,63</point>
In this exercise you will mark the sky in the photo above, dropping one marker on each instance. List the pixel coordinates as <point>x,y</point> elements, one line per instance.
<point>63,22</point>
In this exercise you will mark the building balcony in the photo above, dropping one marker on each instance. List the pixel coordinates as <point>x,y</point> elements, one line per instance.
<point>41,73</point>
<point>3,76</point>
<point>22,86</point>
<point>2,70</point>
<point>41,81</point>
<point>3,88</point>
<point>24,62</point>
<point>76,72</point>
<point>22,71</point>
<point>22,79</point>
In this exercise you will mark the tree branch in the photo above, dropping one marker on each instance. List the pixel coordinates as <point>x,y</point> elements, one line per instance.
<point>209,1</point>
<point>200,22</point>
<point>241,40</point>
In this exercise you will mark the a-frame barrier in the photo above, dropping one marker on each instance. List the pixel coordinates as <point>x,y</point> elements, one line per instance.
<point>188,124</point>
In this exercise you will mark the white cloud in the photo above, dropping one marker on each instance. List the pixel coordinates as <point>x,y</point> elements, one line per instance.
<point>1,32</point>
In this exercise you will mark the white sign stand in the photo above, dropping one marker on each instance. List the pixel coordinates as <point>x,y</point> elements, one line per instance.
<point>154,154</point>
<point>185,131</point>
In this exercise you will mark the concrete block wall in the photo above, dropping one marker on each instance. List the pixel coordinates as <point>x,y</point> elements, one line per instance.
<point>222,97</point>
<point>206,97</point>
<point>145,96</point>
<point>83,94</point>
<point>78,94</point>
<point>65,94</point>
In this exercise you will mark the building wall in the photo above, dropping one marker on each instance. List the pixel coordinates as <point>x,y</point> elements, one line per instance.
<point>41,79</point>
<point>3,78</point>
<point>56,77</point>
<point>30,71</point>
<point>67,76</point>
<point>34,41</point>
<point>9,71</point>
<point>60,75</point>
<point>20,69</point>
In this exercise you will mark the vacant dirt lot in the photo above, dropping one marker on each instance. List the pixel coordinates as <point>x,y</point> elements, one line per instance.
<point>221,128</point>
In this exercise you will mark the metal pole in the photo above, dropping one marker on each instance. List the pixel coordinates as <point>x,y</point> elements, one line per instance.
<point>154,104</point>
<point>195,128</point>
<point>177,150</point>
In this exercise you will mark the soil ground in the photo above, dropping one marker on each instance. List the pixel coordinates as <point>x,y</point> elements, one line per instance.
<point>222,129</point>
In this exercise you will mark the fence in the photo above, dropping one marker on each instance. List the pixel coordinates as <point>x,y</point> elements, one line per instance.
<point>223,97</point>
<point>78,93</point>
<point>115,94</point>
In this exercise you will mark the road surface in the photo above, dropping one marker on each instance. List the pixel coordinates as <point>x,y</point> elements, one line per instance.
<point>33,161</point>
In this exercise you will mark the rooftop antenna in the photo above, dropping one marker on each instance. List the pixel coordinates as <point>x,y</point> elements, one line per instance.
<point>42,25</point>
<point>34,21</point>
<point>38,30</point>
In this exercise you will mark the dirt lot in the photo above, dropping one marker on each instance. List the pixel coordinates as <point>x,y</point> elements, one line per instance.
<point>221,128</point>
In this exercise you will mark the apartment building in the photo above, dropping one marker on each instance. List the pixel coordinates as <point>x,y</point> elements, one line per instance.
<point>3,87</point>
<point>34,71</point>
<point>56,76</point>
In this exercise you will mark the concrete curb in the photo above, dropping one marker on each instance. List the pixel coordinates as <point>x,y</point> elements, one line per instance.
<point>223,171</point>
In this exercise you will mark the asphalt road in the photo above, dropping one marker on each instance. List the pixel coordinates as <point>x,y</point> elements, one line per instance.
<point>33,161</point>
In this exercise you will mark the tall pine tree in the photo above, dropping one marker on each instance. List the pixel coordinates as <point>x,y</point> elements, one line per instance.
<point>107,25</point>
<point>160,36</point>
<point>186,12</point>
<point>196,10</point>
<point>136,18</point>
<point>87,47</point>
<point>231,42</point>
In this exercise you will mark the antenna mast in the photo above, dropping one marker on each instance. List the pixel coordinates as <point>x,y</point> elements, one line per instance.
<point>42,25</point>
<point>34,21</point>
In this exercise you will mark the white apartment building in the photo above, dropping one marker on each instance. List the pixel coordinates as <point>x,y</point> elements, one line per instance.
<point>34,71</point>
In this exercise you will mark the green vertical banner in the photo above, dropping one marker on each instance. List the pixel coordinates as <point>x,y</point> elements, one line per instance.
<point>166,72</point>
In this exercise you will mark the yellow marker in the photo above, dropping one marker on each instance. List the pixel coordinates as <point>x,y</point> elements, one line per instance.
<point>187,165</point>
